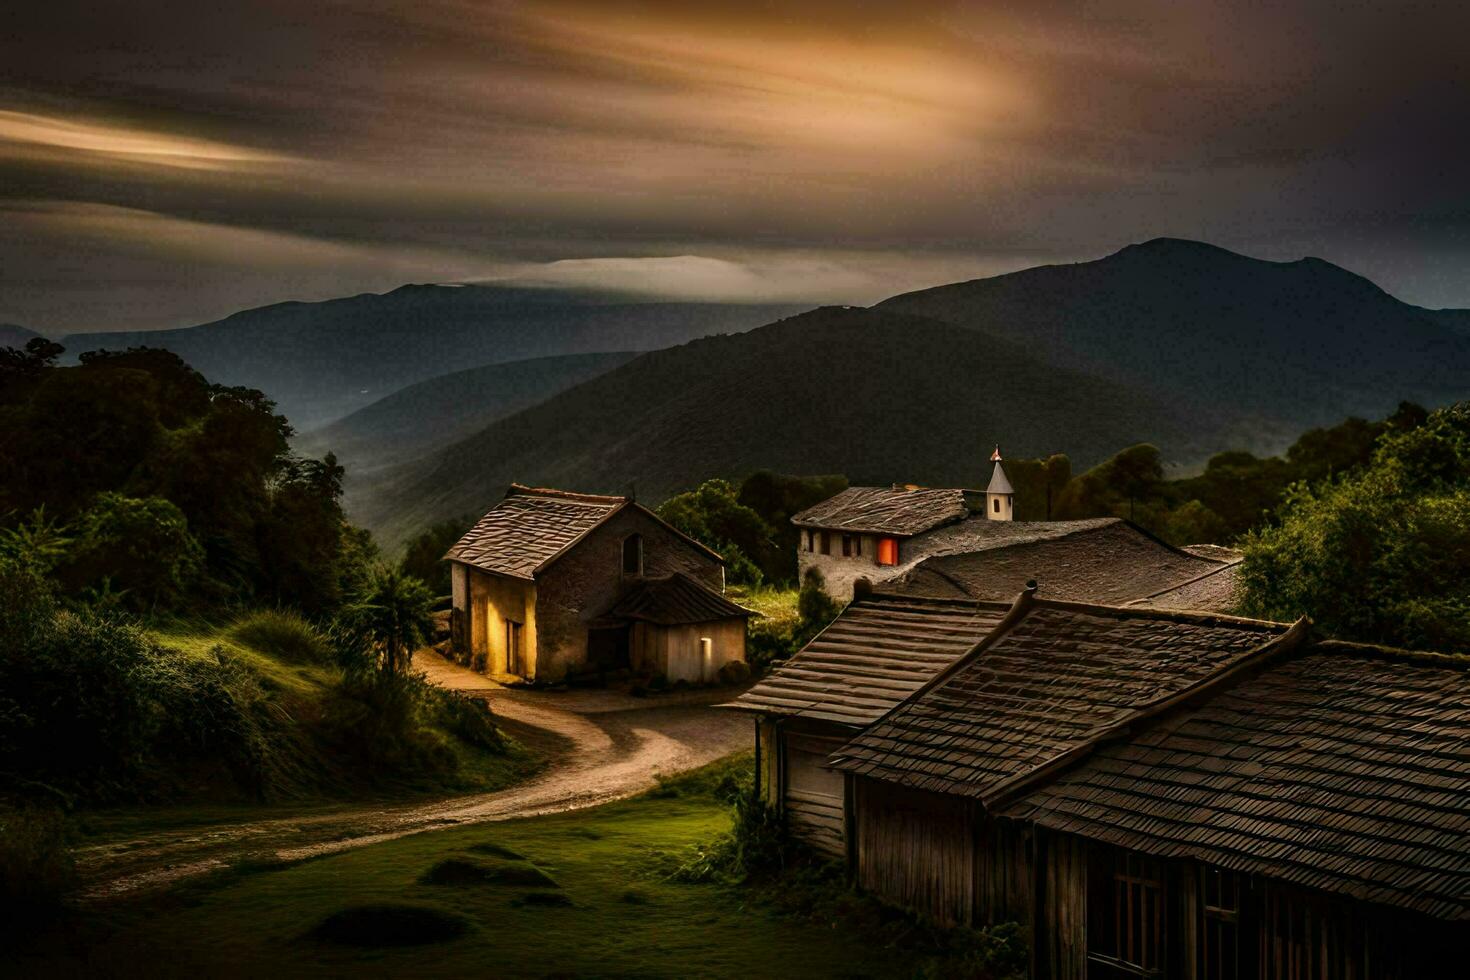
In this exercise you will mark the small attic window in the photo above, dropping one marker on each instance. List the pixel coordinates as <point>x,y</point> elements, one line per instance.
<point>633,554</point>
<point>996,504</point>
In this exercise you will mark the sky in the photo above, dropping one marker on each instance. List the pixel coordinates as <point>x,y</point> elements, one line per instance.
<point>166,163</point>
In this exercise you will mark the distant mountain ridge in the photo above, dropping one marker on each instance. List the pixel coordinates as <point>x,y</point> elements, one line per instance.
<point>878,396</point>
<point>321,361</point>
<point>14,335</point>
<point>429,415</point>
<point>1261,348</point>
<point>1182,344</point>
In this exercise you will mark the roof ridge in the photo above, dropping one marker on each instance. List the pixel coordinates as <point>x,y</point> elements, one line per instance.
<point>1183,582</point>
<point>967,601</point>
<point>1178,615</point>
<point>1020,784</point>
<point>521,490</point>
<point>1380,651</point>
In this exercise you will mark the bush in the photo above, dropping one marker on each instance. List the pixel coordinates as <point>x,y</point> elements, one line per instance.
<point>283,634</point>
<point>36,871</point>
<point>142,549</point>
<point>734,672</point>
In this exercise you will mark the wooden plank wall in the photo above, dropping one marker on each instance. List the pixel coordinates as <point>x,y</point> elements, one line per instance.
<point>916,849</point>
<point>813,799</point>
<point>1060,933</point>
<point>1003,872</point>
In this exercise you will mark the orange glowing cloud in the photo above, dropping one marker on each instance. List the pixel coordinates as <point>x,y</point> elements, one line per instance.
<point>27,130</point>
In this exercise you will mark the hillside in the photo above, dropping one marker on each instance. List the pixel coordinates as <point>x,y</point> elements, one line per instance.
<point>321,361</point>
<point>429,415</point>
<point>1258,350</point>
<point>14,335</point>
<point>877,396</point>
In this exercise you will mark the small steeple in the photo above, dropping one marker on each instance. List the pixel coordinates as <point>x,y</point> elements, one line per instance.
<point>999,496</point>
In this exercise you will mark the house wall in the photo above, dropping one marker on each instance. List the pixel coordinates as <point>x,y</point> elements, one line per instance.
<point>811,795</point>
<point>676,653</point>
<point>491,601</point>
<point>1277,931</point>
<point>915,849</point>
<point>841,574</point>
<point>587,580</point>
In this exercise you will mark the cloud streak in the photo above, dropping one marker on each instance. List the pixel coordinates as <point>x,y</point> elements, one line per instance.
<point>815,145</point>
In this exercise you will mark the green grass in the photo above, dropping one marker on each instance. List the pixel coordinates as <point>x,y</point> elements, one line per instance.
<point>616,917</point>
<point>198,639</point>
<point>777,605</point>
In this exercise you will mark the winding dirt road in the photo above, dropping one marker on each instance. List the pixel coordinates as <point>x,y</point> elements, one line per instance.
<point>599,745</point>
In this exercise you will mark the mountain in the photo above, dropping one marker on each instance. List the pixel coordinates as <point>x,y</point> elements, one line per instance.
<point>878,396</point>
<point>429,415</point>
<point>321,361</point>
<point>14,335</point>
<point>1254,350</point>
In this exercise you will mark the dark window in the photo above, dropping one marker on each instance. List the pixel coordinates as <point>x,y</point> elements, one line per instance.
<point>811,541</point>
<point>1125,916</point>
<point>847,546</point>
<point>1220,928</point>
<point>514,659</point>
<point>857,545</point>
<point>633,554</point>
<point>826,543</point>
<point>997,504</point>
<point>888,551</point>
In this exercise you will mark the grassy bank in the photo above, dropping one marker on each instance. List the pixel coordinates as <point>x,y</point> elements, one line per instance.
<point>583,894</point>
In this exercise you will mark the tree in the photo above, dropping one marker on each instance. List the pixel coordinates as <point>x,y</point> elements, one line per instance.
<point>396,614</point>
<point>424,556</point>
<point>1378,555</point>
<point>712,515</point>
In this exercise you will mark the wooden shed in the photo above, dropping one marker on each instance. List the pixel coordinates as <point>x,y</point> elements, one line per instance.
<point>1157,794</point>
<point>679,629</point>
<point>881,649</point>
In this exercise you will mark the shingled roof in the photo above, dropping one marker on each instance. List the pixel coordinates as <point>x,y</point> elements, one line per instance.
<point>899,510</point>
<point>1106,560</point>
<point>1343,768</point>
<point>1217,589</point>
<point>1045,684</point>
<point>533,526</point>
<point>674,600</point>
<point>880,650</point>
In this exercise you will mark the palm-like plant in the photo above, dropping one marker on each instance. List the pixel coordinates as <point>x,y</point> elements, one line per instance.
<point>395,612</point>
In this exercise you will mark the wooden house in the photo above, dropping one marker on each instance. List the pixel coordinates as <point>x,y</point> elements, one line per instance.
<point>536,580</point>
<point>1158,794</point>
<point>887,644</point>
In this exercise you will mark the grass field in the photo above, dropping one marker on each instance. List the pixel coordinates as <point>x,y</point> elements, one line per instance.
<point>573,895</point>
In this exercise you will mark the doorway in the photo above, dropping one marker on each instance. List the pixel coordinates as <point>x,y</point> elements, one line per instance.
<point>515,660</point>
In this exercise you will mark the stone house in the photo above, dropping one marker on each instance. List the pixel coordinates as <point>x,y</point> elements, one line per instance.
<point>536,580</point>
<point>954,542</point>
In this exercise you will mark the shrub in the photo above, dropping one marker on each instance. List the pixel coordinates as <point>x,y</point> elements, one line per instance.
<point>283,634</point>
<point>36,871</point>
<point>735,672</point>
<point>142,548</point>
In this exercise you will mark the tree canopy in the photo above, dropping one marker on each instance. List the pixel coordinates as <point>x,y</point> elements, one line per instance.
<point>1382,553</point>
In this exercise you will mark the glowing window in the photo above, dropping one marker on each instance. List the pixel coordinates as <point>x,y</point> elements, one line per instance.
<point>888,551</point>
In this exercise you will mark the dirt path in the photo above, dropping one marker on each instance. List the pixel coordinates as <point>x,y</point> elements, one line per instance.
<point>600,746</point>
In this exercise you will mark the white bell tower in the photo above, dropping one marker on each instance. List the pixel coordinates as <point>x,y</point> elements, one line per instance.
<point>999,497</point>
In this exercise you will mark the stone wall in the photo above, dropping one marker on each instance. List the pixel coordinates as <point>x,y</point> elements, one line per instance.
<point>588,579</point>
<point>841,574</point>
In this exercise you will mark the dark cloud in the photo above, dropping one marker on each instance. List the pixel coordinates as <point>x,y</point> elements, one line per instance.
<point>833,144</point>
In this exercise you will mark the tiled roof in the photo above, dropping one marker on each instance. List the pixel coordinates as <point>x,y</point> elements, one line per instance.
<point>901,511</point>
<point>998,481</point>
<point>1043,686</point>
<point>876,653</point>
<point>529,527</point>
<point>1216,590</point>
<point>1342,768</point>
<point>673,600</point>
<point>1105,560</point>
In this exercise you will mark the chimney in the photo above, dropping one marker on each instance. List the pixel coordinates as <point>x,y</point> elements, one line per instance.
<point>999,497</point>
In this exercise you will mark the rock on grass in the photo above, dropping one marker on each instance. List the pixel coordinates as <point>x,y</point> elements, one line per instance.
<point>460,871</point>
<point>389,925</point>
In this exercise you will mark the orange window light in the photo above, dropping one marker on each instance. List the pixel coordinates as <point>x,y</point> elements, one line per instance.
<point>888,551</point>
